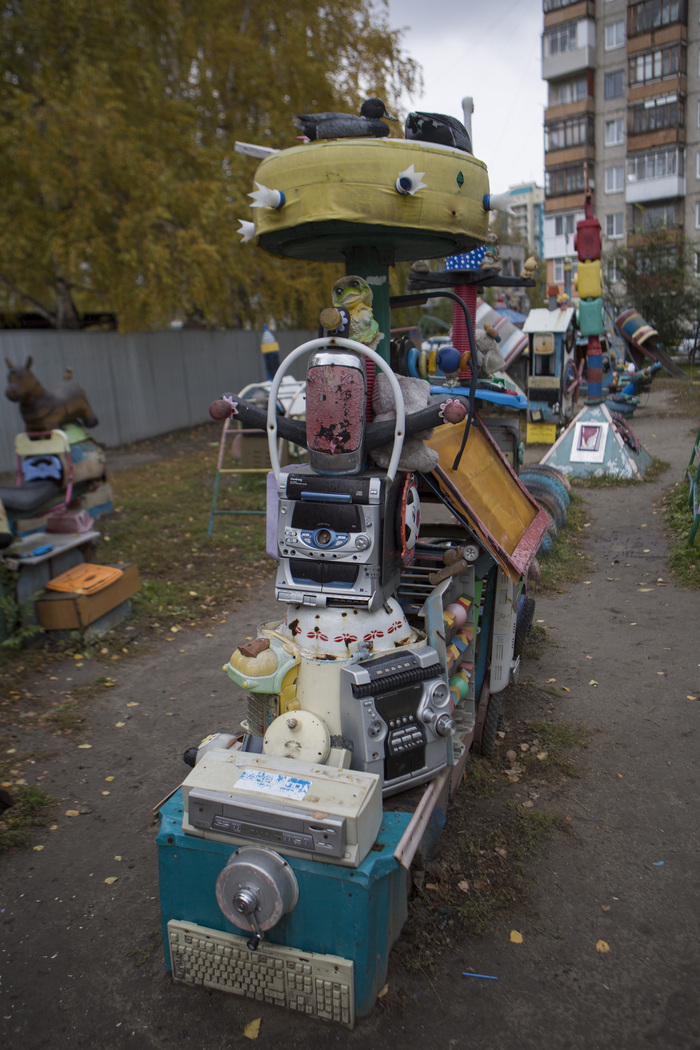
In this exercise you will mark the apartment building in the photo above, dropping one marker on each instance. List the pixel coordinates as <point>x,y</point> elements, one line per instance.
<point>526,222</point>
<point>623,108</point>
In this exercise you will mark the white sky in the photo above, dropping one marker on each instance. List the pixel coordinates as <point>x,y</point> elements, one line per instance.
<point>489,49</point>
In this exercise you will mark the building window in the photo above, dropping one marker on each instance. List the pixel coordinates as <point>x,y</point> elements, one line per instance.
<point>614,225</point>
<point>696,264</point>
<point>614,36</point>
<point>697,165</point>
<point>558,181</point>
<point>559,270</point>
<point>657,113</point>
<point>612,272</point>
<point>615,131</point>
<point>561,39</point>
<point>697,216</point>
<point>615,84</point>
<point>655,65</point>
<point>555,5</point>
<point>662,216</point>
<point>651,14</point>
<point>615,179</point>
<point>565,224</point>
<point>563,92</point>
<point>560,134</point>
<point>655,164</point>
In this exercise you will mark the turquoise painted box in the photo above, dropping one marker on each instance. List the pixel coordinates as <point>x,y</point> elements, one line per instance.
<point>590,317</point>
<point>356,913</point>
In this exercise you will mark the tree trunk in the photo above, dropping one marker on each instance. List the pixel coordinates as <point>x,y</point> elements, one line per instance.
<point>66,316</point>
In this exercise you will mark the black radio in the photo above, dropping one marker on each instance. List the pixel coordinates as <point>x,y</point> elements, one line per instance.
<point>396,710</point>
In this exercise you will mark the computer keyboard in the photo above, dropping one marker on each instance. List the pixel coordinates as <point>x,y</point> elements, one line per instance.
<point>309,982</point>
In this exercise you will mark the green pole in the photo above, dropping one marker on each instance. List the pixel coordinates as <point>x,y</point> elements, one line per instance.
<point>372,263</point>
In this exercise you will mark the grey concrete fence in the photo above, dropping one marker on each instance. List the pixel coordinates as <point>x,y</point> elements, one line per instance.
<point>143,384</point>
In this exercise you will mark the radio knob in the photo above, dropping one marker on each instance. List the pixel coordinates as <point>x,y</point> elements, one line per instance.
<point>440,694</point>
<point>362,542</point>
<point>374,728</point>
<point>444,725</point>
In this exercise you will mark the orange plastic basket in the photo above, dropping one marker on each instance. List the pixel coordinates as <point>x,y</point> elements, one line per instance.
<point>84,579</point>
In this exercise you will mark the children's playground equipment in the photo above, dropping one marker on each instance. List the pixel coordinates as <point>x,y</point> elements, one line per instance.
<point>47,519</point>
<point>403,548</point>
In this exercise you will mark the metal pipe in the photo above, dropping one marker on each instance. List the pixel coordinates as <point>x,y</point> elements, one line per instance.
<point>411,838</point>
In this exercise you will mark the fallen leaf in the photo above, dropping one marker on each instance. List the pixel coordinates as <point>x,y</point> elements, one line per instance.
<point>605,907</point>
<point>463,886</point>
<point>593,682</point>
<point>511,756</point>
<point>501,852</point>
<point>382,993</point>
<point>515,937</point>
<point>37,849</point>
<point>602,947</point>
<point>689,697</point>
<point>501,735</point>
<point>566,689</point>
<point>109,779</point>
<point>72,813</point>
<point>133,703</point>
<point>524,747</point>
<point>105,792</point>
<point>549,680</point>
<point>111,879</point>
<point>527,804</point>
<point>542,755</point>
<point>431,886</point>
<point>252,1030</point>
<point>84,747</point>
<point>118,725</point>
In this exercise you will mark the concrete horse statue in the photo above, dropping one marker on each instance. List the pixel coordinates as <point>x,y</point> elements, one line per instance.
<point>42,409</point>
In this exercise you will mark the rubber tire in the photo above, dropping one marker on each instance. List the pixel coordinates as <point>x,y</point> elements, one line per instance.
<point>549,502</point>
<point>523,625</point>
<point>553,484</point>
<point>552,472</point>
<point>546,546</point>
<point>492,722</point>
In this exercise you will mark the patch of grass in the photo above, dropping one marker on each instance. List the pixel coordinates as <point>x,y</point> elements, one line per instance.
<point>490,836</point>
<point>683,559</point>
<point>558,736</point>
<point>65,717</point>
<point>602,481</point>
<point>568,561</point>
<point>687,391</point>
<point>143,952</point>
<point>161,520</point>
<point>537,641</point>
<point>30,808</point>
<point>481,872</point>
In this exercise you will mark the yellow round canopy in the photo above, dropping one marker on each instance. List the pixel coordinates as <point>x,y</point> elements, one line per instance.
<point>341,193</point>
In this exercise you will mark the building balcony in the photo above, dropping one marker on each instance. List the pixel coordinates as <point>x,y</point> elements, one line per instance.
<point>568,62</point>
<point>558,11</point>
<point>570,109</point>
<point>644,190</point>
<point>648,18</point>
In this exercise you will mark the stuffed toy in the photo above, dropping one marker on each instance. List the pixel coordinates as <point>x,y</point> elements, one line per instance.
<point>415,454</point>
<point>489,357</point>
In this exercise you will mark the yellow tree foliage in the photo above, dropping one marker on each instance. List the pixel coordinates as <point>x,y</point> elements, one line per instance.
<point>122,192</point>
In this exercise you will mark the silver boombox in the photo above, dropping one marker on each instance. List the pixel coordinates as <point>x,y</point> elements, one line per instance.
<point>337,539</point>
<point>396,710</point>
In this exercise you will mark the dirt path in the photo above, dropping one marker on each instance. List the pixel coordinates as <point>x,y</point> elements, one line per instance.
<point>80,957</point>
